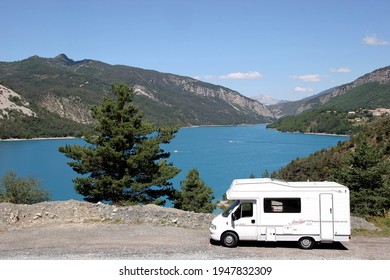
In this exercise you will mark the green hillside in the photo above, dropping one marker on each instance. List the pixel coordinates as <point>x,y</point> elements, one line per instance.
<point>368,96</point>
<point>46,126</point>
<point>343,114</point>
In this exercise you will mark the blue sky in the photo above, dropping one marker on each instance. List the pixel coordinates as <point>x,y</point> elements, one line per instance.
<point>285,49</point>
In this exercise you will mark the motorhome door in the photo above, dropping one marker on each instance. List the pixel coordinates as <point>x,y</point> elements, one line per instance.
<point>326,216</point>
<point>245,220</point>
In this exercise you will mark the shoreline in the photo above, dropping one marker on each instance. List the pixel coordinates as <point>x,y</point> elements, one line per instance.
<point>39,139</point>
<point>327,134</point>
<point>223,125</point>
<point>72,137</point>
<point>184,127</point>
<point>311,133</point>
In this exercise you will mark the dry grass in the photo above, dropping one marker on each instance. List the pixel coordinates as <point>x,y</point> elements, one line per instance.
<point>382,222</point>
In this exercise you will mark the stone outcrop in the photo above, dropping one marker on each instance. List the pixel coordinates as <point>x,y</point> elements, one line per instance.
<point>68,107</point>
<point>11,101</point>
<point>236,100</point>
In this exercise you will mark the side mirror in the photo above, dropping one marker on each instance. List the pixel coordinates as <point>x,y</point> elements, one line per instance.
<point>234,217</point>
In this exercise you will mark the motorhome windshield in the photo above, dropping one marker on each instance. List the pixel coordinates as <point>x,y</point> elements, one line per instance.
<point>230,209</point>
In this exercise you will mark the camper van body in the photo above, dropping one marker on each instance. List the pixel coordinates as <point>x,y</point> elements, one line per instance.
<point>272,210</point>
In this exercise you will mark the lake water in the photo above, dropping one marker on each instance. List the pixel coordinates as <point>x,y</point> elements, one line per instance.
<point>221,154</point>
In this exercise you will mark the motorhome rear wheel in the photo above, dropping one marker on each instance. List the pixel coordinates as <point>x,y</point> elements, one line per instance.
<point>306,243</point>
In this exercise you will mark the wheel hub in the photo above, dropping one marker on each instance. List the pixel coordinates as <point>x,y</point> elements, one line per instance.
<point>229,239</point>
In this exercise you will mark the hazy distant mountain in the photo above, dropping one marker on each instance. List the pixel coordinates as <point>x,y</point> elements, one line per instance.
<point>268,100</point>
<point>65,89</point>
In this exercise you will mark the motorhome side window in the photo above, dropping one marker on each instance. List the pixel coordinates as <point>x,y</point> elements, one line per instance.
<point>245,210</point>
<point>282,205</point>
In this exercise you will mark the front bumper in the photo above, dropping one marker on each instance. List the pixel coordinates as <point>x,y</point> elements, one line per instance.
<point>214,234</point>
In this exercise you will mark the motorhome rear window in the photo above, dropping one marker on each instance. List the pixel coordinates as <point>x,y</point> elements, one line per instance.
<point>282,205</point>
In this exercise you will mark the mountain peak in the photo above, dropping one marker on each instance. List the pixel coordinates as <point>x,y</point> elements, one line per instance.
<point>63,59</point>
<point>267,100</point>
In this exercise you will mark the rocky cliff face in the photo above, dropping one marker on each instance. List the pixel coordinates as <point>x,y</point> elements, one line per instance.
<point>236,100</point>
<point>11,102</point>
<point>68,107</point>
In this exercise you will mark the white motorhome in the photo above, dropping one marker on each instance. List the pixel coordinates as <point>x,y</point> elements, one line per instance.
<point>272,210</point>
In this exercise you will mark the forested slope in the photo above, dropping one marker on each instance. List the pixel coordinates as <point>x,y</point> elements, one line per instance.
<point>362,164</point>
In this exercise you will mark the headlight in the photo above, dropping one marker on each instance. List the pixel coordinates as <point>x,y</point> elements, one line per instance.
<point>213,227</point>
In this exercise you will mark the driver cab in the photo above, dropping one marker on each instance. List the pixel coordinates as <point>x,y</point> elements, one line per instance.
<point>244,219</point>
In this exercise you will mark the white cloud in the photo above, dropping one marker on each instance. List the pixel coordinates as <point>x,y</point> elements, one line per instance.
<point>341,70</point>
<point>303,89</point>
<point>235,76</point>
<point>240,76</point>
<point>372,40</point>
<point>308,78</point>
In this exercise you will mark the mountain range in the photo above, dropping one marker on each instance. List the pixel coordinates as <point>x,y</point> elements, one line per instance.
<point>66,89</point>
<point>51,97</point>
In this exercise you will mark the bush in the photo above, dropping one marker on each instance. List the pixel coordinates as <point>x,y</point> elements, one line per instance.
<point>21,190</point>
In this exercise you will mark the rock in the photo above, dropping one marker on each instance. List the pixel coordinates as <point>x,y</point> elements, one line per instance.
<point>14,217</point>
<point>360,223</point>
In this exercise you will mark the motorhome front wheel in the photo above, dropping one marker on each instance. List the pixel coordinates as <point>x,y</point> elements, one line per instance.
<point>229,239</point>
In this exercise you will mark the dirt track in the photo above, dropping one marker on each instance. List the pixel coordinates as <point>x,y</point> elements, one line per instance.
<point>97,240</point>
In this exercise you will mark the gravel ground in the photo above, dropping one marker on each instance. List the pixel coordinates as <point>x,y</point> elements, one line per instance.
<point>80,230</point>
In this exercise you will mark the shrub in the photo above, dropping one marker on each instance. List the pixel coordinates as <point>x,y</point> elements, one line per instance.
<point>21,190</point>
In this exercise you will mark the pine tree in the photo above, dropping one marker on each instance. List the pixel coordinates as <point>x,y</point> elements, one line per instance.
<point>266,174</point>
<point>194,194</point>
<point>123,160</point>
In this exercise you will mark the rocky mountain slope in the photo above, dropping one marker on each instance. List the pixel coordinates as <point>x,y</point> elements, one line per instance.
<point>11,101</point>
<point>66,88</point>
<point>380,76</point>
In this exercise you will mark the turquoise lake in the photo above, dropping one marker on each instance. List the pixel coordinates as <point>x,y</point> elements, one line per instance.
<point>220,153</point>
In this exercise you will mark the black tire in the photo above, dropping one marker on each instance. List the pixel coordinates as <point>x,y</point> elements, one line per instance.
<point>306,243</point>
<point>229,239</point>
